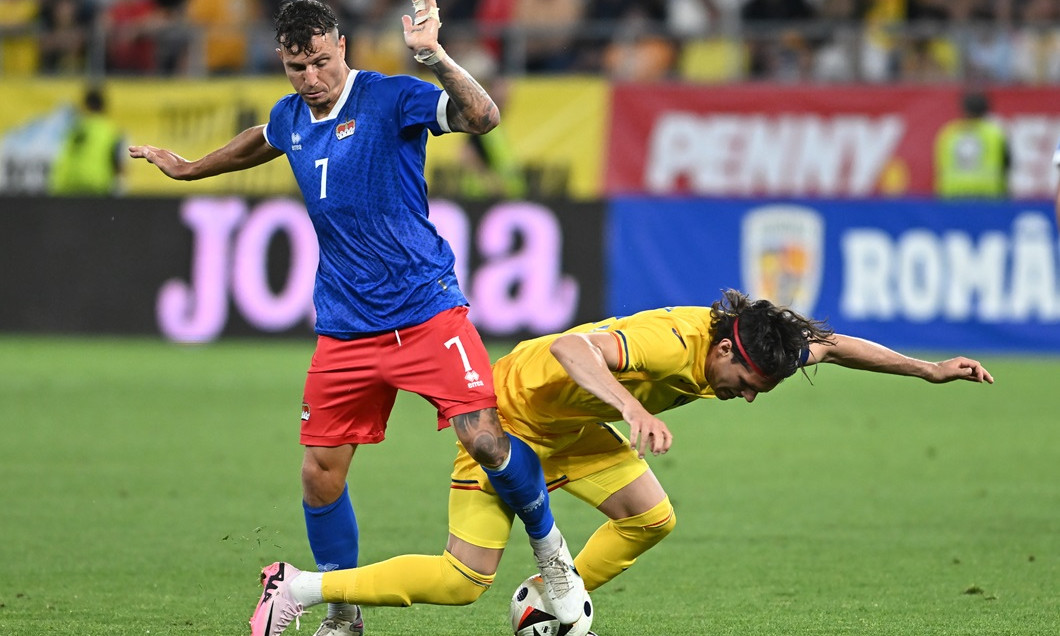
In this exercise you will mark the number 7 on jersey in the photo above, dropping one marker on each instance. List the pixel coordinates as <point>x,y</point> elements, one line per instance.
<point>323,165</point>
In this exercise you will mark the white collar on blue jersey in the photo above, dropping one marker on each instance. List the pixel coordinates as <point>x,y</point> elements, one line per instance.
<point>334,112</point>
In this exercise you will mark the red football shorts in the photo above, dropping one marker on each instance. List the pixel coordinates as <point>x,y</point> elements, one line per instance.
<point>351,384</point>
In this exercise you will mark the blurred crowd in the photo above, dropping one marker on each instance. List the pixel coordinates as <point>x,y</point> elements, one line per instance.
<point>1006,41</point>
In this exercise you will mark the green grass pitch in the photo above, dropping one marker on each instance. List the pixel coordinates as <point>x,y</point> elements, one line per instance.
<point>145,484</point>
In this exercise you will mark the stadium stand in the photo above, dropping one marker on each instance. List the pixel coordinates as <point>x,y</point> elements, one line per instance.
<point>1008,41</point>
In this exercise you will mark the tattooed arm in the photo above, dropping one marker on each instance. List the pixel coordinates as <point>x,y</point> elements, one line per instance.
<point>470,107</point>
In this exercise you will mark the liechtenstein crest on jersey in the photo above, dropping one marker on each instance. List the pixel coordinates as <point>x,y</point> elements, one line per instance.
<point>782,255</point>
<point>344,130</point>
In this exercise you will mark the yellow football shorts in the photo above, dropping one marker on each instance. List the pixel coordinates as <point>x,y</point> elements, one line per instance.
<point>592,464</point>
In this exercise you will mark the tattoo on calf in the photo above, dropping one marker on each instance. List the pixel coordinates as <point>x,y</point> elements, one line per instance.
<point>481,436</point>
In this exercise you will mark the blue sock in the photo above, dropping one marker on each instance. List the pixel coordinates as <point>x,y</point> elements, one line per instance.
<point>521,485</point>
<point>332,531</point>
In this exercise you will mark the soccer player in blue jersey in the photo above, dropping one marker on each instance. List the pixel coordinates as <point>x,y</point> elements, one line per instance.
<point>390,313</point>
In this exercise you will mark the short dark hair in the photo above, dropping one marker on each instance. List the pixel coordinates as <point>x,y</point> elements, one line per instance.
<point>94,100</point>
<point>773,337</point>
<point>298,21</point>
<point>975,104</point>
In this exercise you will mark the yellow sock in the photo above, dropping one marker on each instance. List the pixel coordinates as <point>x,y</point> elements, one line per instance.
<point>408,579</point>
<point>615,546</point>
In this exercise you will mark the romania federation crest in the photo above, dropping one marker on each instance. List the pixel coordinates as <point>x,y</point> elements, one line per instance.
<point>782,255</point>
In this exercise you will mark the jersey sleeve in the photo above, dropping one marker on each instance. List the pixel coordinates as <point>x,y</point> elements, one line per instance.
<point>278,128</point>
<point>653,347</point>
<point>421,103</point>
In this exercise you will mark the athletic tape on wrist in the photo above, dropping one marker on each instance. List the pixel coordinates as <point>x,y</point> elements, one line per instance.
<point>432,58</point>
<point>433,13</point>
<point>419,5</point>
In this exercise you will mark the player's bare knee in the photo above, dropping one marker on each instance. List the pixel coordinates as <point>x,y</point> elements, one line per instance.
<point>321,487</point>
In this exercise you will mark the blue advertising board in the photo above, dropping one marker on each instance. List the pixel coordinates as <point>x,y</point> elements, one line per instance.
<point>909,273</point>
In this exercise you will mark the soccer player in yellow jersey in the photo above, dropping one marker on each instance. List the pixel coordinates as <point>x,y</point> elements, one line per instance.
<point>561,393</point>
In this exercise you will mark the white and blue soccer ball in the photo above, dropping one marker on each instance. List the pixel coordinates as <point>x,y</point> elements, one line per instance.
<point>531,612</point>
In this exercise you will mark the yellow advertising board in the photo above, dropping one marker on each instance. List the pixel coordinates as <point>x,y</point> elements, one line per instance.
<point>555,128</point>
<point>189,117</point>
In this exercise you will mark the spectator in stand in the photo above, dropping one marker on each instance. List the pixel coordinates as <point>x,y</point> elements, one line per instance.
<point>461,10</point>
<point>18,46</point>
<point>487,19</point>
<point>989,44</point>
<point>173,36</point>
<point>372,44</point>
<point>881,56</point>
<point>928,59</point>
<point>640,49</point>
<point>776,10</point>
<point>129,27</point>
<point>146,36</point>
<point>65,30</point>
<point>772,56</point>
<point>551,28</point>
<point>493,17</point>
<point>928,10</point>
<point>928,53</point>
<point>223,27</point>
<point>834,51</point>
<point>692,18</point>
<point>1036,44</point>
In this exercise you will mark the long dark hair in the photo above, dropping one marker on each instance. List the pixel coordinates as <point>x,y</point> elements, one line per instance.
<point>298,21</point>
<point>773,337</point>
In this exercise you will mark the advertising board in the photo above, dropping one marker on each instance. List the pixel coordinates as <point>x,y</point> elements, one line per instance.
<point>770,140</point>
<point>197,269</point>
<point>911,273</point>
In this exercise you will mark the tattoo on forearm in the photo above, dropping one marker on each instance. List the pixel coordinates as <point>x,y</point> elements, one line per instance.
<point>472,101</point>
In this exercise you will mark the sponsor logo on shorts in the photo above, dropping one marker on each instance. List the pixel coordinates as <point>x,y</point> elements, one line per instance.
<point>473,379</point>
<point>305,411</point>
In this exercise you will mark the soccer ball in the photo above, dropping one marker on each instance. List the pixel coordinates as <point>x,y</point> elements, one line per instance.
<point>531,612</point>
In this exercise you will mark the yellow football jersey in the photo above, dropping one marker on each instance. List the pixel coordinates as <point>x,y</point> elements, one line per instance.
<point>664,355</point>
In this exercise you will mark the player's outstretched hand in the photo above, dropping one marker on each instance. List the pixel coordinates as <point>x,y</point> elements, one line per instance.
<point>170,163</point>
<point>648,433</point>
<point>421,29</point>
<point>960,368</point>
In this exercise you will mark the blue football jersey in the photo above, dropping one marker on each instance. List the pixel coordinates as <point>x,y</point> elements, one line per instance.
<point>382,263</point>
